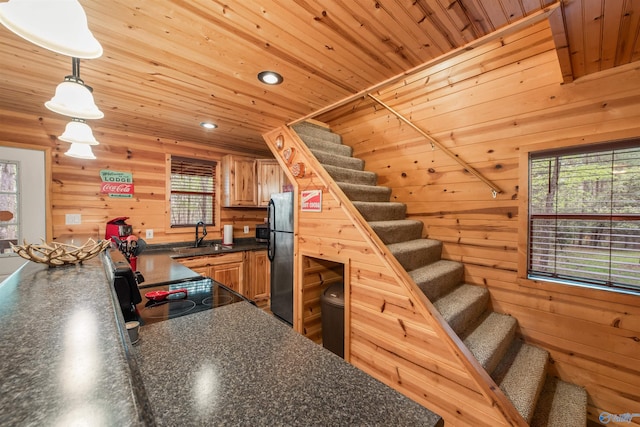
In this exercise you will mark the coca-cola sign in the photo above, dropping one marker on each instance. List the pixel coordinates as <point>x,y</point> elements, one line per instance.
<point>112,187</point>
<point>116,184</point>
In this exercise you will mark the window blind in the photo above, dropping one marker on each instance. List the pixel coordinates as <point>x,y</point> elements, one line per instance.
<point>584,216</point>
<point>193,194</point>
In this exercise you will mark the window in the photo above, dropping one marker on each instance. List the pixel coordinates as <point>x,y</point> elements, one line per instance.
<point>584,216</point>
<point>9,205</point>
<point>193,192</point>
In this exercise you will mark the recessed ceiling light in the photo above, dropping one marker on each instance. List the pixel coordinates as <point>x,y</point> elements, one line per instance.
<point>270,77</point>
<point>208,125</point>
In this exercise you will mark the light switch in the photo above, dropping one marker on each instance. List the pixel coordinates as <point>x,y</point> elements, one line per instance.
<point>149,234</point>
<point>246,229</point>
<point>72,219</point>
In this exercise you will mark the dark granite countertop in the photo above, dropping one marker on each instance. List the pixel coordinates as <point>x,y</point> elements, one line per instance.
<point>237,365</point>
<point>65,359</point>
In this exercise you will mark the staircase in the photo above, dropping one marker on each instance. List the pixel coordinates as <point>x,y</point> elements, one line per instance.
<point>518,368</point>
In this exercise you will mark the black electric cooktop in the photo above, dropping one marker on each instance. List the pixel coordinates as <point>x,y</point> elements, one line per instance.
<point>180,299</point>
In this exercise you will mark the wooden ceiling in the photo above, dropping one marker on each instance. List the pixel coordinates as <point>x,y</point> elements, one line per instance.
<point>169,65</point>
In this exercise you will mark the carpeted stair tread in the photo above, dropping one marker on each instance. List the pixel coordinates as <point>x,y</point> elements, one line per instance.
<point>337,160</point>
<point>365,193</point>
<point>397,231</point>
<point>462,306</point>
<point>317,144</point>
<point>381,211</point>
<point>317,131</point>
<point>349,175</point>
<point>437,278</point>
<point>560,405</point>
<point>521,374</point>
<point>416,253</point>
<point>489,341</point>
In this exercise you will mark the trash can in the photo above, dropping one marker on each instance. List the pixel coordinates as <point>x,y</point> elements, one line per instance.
<point>332,306</point>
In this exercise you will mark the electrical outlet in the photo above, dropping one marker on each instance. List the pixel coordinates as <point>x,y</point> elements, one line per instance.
<point>246,229</point>
<point>149,234</point>
<point>72,219</point>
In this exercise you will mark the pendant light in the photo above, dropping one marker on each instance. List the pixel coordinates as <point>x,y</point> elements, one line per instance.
<point>78,131</point>
<point>79,134</point>
<point>73,98</point>
<point>57,25</point>
<point>80,151</point>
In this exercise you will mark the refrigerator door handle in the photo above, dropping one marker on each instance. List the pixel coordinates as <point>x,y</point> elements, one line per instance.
<point>271,248</point>
<point>271,245</point>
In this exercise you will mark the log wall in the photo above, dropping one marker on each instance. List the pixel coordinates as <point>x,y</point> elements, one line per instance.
<point>489,109</point>
<point>76,183</point>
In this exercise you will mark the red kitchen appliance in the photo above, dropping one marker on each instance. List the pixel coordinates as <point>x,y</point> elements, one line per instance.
<point>119,228</point>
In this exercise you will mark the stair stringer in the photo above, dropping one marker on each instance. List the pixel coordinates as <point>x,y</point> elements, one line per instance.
<point>393,332</point>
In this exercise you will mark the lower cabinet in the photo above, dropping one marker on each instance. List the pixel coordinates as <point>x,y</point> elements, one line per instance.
<point>259,278</point>
<point>247,273</point>
<point>227,269</point>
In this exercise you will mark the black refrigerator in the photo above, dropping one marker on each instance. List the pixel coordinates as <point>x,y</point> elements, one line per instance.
<point>281,255</point>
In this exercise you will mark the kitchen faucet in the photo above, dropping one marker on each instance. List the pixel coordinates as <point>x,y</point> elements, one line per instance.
<point>204,233</point>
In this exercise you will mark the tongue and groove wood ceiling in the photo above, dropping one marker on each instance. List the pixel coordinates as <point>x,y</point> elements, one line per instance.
<point>169,65</point>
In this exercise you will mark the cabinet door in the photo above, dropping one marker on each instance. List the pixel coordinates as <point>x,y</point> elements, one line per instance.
<point>259,280</point>
<point>270,180</point>
<point>231,275</point>
<point>239,181</point>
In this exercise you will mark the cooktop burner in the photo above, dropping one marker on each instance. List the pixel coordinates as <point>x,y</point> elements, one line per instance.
<point>200,295</point>
<point>167,309</point>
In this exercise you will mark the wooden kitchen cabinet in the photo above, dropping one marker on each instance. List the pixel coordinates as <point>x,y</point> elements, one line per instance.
<point>231,275</point>
<point>227,269</point>
<point>239,184</point>
<point>248,182</point>
<point>258,281</point>
<point>271,178</point>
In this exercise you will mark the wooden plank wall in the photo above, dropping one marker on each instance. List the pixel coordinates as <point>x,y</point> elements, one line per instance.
<point>76,183</point>
<point>391,330</point>
<point>488,109</point>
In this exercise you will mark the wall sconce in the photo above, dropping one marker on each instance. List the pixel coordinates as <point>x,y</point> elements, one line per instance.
<point>60,26</point>
<point>73,98</point>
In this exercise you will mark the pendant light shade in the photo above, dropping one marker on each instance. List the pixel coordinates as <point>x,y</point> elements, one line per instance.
<point>80,151</point>
<point>78,132</point>
<point>57,25</point>
<point>74,99</point>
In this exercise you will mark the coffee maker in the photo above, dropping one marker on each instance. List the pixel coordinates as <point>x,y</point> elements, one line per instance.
<point>119,228</point>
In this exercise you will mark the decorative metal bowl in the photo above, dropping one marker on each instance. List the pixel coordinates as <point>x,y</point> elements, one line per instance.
<point>56,254</point>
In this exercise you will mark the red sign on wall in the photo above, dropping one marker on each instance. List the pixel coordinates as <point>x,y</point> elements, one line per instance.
<point>116,188</point>
<point>311,200</point>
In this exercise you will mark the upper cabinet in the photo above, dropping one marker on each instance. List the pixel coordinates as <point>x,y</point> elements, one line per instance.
<point>248,182</point>
<point>270,180</point>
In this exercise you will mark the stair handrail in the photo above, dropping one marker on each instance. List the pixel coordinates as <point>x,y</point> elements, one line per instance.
<point>495,190</point>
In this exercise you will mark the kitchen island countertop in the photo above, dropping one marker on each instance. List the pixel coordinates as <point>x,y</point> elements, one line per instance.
<point>237,365</point>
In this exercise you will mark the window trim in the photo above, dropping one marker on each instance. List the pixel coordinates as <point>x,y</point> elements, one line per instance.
<point>167,214</point>
<point>570,144</point>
